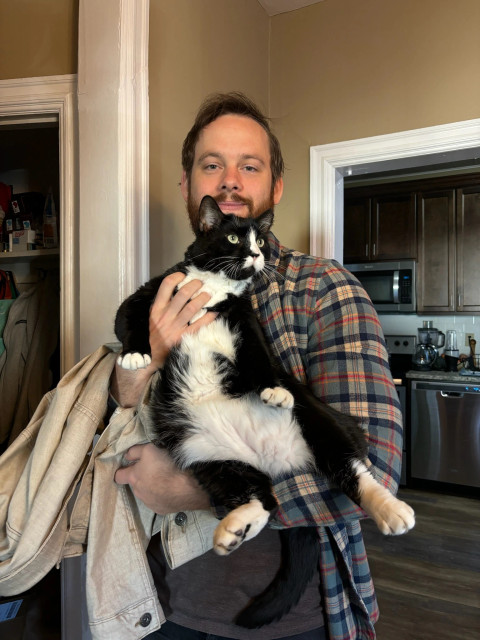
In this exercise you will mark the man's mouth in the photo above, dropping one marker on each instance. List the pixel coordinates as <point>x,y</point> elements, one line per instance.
<point>234,204</point>
<point>228,206</point>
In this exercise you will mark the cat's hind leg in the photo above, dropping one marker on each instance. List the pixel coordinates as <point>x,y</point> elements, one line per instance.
<point>245,492</point>
<point>393,516</point>
<point>243,523</point>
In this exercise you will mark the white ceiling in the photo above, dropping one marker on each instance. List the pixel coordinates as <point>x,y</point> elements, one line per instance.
<point>272,7</point>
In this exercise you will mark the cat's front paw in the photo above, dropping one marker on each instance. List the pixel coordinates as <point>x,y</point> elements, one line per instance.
<point>278,397</point>
<point>241,524</point>
<point>134,361</point>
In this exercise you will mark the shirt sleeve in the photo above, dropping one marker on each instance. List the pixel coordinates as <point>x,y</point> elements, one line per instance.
<point>346,365</point>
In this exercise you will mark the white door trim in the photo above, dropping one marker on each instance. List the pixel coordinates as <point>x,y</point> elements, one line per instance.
<point>113,161</point>
<point>329,163</point>
<point>27,100</point>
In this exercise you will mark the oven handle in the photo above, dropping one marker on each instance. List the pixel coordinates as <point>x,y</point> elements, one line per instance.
<point>396,286</point>
<point>451,394</point>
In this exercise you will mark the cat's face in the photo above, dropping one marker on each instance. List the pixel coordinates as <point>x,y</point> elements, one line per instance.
<point>236,246</point>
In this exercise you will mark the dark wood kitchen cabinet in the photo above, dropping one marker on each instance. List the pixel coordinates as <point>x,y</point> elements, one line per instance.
<point>448,251</point>
<point>435,221</point>
<point>468,249</point>
<point>436,251</point>
<point>379,227</point>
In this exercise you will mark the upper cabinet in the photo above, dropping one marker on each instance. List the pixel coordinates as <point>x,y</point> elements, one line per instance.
<point>467,249</point>
<point>435,221</point>
<point>379,227</point>
<point>436,251</point>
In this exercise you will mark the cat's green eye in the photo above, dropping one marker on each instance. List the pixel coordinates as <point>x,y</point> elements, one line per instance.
<point>260,242</point>
<point>232,238</point>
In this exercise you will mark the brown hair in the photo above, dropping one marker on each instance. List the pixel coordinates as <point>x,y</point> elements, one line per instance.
<point>236,103</point>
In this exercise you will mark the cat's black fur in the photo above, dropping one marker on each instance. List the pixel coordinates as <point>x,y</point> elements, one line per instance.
<point>244,372</point>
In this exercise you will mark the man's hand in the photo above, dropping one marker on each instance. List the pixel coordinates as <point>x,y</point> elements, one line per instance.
<point>156,481</point>
<point>170,316</point>
<point>169,320</point>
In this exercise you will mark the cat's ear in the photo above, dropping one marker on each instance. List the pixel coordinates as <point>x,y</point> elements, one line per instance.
<point>210,215</point>
<point>265,221</point>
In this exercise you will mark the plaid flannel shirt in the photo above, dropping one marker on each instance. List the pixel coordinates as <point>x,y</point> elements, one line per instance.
<point>324,330</point>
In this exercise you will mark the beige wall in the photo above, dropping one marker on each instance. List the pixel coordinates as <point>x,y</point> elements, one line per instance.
<point>196,48</point>
<point>346,69</point>
<point>337,70</point>
<point>38,38</point>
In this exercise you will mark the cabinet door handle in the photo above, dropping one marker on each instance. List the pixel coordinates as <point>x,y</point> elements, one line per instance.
<point>366,250</point>
<point>374,251</point>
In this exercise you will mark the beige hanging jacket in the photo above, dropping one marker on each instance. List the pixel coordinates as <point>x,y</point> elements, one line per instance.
<point>53,464</point>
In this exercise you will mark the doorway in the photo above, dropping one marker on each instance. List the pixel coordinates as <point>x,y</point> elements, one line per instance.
<point>42,101</point>
<point>330,163</point>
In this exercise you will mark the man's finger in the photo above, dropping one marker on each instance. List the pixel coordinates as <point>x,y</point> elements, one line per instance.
<point>133,454</point>
<point>122,475</point>
<point>166,289</point>
<point>202,322</point>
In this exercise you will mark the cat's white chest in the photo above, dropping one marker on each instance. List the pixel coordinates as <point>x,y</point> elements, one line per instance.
<point>217,285</point>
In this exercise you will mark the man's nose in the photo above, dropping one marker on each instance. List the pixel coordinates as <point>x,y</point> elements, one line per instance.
<point>231,180</point>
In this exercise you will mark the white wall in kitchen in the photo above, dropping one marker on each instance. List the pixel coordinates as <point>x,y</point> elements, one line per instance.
<point>407,324</point>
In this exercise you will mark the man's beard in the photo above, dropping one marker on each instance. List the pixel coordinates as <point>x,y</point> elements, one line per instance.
<point>193,206</point>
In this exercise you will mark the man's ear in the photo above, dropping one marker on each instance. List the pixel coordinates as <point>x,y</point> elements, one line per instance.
<point>278,191</point>
<point>184,186</point>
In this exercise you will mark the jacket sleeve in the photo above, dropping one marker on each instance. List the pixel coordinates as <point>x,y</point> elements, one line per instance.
<point>346,366</point>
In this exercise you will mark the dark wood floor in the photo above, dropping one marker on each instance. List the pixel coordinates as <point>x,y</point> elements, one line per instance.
<point>428,581</point>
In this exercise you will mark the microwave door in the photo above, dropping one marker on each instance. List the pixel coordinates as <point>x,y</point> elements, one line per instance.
<point>379,286</point>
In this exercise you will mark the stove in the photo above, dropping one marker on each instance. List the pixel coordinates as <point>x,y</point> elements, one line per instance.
<point>400,352</point>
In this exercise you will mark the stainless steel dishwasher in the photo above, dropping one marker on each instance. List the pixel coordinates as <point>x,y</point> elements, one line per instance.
<point>445,432</point>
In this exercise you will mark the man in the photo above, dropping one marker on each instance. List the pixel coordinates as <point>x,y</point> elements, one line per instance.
<point>324,330</point>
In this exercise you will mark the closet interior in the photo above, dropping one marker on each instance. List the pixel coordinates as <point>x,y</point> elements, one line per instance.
<point>29,317</point>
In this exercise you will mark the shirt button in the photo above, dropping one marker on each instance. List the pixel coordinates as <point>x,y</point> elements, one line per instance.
<point>146,619</point>
<point>181,519</point>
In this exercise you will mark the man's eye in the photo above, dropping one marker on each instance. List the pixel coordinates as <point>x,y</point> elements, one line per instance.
<point>251,169</point>
<point>211,166</point>
<point>260,242</point>
<point>232,238</point>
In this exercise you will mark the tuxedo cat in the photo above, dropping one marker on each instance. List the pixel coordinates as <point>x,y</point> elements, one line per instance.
<point>228,413</point>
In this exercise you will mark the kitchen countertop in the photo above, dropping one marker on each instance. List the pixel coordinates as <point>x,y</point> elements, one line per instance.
<point>443,376</point>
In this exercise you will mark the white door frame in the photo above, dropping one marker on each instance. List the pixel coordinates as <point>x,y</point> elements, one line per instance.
<point>329,163</point>
<point>54,98</point>
<point>113,161</point>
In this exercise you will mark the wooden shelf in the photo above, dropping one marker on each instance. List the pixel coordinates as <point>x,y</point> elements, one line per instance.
<point>26,256</point>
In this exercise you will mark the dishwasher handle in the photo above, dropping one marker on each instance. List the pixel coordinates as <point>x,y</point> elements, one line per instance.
<point>452,394</point>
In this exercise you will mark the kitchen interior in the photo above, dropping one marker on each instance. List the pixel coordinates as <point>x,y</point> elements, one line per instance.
<point>412,241</point>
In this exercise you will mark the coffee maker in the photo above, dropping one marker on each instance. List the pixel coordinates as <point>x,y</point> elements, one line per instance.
<point>429,341</point>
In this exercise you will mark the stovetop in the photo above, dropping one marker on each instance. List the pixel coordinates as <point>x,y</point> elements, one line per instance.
<point>400,353</point>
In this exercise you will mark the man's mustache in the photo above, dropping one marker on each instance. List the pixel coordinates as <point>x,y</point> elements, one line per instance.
<point>234,197</point>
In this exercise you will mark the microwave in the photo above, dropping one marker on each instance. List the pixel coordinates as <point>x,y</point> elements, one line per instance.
<point>390,285</point>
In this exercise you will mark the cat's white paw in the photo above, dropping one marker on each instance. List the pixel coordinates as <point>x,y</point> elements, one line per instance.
<point>278,397</point>
<point>241,524</point>
<point>394,517</point>
<point>134,361</point>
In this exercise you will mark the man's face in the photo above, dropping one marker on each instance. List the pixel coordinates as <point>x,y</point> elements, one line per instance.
<point>232,164</point>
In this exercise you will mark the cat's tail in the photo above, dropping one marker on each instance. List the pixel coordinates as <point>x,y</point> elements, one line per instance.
<point>300,560</point>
